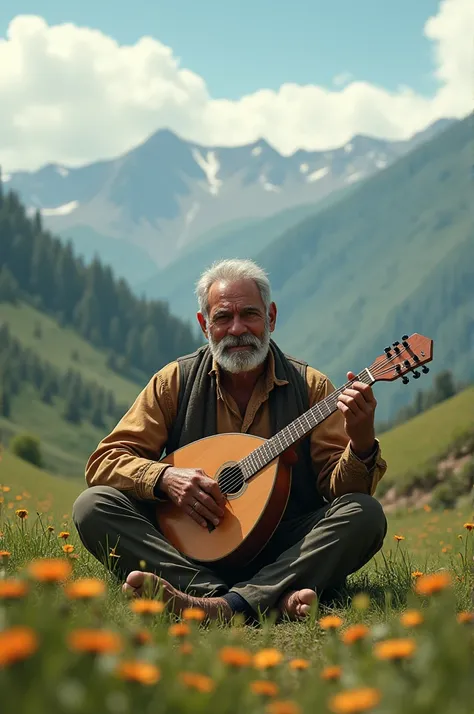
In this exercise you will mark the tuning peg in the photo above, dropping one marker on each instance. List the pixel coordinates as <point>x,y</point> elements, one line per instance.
<point>405,337</point>
<point>405,380</point>
<point>387,351</point>
<point>425,369</point>
<point>405,343</point>
<point>416,374</point>
<point>396,343</point>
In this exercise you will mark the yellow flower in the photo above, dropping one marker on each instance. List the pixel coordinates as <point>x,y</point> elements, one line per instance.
<point>50,570</point>
<point>142,637</point>
<point>200,682</point>
<point>193,613</point>
<point>50,529</point>
<point>411,618</point>
<point>469,526</point>
<point>361,601</point>
<point>6,489</point>
<point>330,622</point>
<point>68,548</point>
<point>465,618</point>
<point>299,663</point>
<point>5,554</point>
<point>22,513</point>
<point>331,673</point>
<point>235,656</point>
<point>395,649</point>
<point>353,701</point>
<point>398,537</point>
<point>85,589</point>
<point>95,641</point>
<point>12,588</point>
<point>354,633</point>
<point>64,535</point>
<point>179,629</point>
<point>138,671</point>
<point>146,606</point>
<point>283,706</point>
<point>416,574</point>
<point>267,658</point>
<point>17,644</point>
<point>264,687</point>
<point>431,584</point>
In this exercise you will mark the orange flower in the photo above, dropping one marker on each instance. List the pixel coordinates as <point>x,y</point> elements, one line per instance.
<point>64,535</point>
<point>18,498</point>
<point>283,706</point>
<point>427,508</point>
<point>431,584</point>
<point>235,656</point>
<point>193,680</point>
<point>186,648</point>
<point>22,513</point>
<point>267,658</point>
<point>331,673</point>
<point>145,606</point>
<point>84,588</point>
<point>264,688</point>
<point>50,570</point>
<point>465,618</point>
<point>411,618</point>
<point>416,574</point>
<point>398,537</point>
<point>330,622</point>
<point>68,548</point>
<point>299,663</point>
<point>353,701</point>
<point>138,671</point>
<point>469,526</point>
<point>142,637</point>
<point>354,633</point>
<point>17,644</point>
<point>94,641</point>
<point>193,613</point>
<point>395,649</point>
<point>6,489</point>
<point>179,629</point>
<point>12,588</point>
<point>4,554</point>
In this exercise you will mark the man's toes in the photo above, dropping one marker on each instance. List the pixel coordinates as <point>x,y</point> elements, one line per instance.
<point>306,596</point>
<point>135,579</point>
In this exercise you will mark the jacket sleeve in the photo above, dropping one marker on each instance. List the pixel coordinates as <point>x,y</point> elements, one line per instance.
<point>338,470</point>
<point>128,458</point>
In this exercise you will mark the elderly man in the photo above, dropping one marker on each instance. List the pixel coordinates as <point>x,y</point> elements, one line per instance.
<point>240,381</point>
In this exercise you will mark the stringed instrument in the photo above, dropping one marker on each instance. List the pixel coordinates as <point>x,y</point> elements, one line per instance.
<point>254,475</point>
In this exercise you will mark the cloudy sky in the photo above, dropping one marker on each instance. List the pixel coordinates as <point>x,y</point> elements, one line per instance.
<point>86,80</point>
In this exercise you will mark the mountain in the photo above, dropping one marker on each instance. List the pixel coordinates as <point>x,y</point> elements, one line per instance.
<point>162,195</point>
<point>396,256</point>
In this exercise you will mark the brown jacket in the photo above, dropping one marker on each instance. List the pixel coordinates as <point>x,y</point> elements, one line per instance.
<point>127,458</point>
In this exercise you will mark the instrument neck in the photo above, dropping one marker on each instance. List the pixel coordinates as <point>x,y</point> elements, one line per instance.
<point>296,430</point>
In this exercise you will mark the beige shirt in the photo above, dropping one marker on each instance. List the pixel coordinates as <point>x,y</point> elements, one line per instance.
<point>127,458</point>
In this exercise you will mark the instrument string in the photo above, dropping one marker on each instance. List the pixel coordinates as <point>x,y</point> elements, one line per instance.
<point>234,477</point>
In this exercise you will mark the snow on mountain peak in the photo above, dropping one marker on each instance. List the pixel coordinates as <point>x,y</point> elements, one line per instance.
<point>210,166</point>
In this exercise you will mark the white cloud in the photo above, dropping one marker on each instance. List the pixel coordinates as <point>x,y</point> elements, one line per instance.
<point>71,95</point>
<point>341,79</point>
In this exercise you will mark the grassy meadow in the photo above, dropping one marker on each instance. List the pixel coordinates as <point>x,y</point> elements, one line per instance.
<point>399,639</point>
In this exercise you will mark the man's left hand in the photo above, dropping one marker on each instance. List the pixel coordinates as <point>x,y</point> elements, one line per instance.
<point>357,404</point>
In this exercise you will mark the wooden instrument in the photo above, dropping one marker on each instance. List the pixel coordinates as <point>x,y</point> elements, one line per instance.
<point>254,474</point>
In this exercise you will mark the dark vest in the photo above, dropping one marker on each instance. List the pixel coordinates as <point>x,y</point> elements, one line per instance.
<point>197,416</point>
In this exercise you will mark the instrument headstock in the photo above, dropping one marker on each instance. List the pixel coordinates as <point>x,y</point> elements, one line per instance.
<point>408,355</point>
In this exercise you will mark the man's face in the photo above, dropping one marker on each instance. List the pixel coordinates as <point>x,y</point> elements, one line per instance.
<point>238,328</point>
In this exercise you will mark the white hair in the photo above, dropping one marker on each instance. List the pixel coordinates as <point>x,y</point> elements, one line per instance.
<point>231,270</point>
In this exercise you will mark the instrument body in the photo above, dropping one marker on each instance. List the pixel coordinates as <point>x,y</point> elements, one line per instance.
<point>251,514</point>
<point>255,473</point>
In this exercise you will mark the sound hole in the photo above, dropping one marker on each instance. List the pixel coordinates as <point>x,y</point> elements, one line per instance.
<point>230,480</point>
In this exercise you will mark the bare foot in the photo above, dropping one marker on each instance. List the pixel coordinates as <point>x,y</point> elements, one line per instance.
<point>297,603</point>
<point>139,584</point>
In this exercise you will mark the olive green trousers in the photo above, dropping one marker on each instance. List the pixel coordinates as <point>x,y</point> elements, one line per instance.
<point>317,550</point>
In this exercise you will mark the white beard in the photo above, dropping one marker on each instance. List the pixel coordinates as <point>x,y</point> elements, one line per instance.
<point>245,361</point>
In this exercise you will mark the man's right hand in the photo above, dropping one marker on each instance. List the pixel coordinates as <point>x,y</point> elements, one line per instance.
<point>199,495</point>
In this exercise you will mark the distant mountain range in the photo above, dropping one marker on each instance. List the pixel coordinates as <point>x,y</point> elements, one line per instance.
<point>141,211</point>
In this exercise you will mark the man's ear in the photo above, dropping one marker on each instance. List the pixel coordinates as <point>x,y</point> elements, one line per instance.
<point>272,315</point>
<point>202,323</point>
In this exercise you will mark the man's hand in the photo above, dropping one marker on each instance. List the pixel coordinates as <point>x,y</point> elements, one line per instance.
<point>357,403</point>
<point>194,492</point>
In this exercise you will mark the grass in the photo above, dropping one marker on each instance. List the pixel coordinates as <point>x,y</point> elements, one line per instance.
<point>432,674</point>
<point>57,345</point>
<point>417,443</point>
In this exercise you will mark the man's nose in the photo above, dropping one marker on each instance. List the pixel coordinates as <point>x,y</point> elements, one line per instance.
<point>237,327</point>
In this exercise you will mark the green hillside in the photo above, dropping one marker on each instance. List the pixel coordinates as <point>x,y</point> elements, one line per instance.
<point>239,239</point>
<point>395,256</point>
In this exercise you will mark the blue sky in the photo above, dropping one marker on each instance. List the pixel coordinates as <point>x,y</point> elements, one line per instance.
<point>240,47</point>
